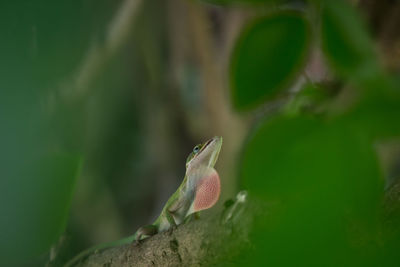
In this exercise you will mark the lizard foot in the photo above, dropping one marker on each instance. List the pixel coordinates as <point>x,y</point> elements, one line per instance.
<point>172,229</point>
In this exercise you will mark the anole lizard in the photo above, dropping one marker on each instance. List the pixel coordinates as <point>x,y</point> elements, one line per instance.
<point>199,190</point>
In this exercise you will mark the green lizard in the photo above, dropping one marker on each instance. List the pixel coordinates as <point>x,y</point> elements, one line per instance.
<point>199,190</point>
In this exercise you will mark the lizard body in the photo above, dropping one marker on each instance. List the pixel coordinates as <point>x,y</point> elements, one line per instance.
<point>198,191</point>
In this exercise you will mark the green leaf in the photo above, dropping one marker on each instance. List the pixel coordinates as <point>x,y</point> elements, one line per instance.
<point>376,118</point>
<point>323,185</point>
<point>37,168</point>
<point>268,54</point>
<point>36,205</point>
<point>346,42</point>
<point>243,2</point>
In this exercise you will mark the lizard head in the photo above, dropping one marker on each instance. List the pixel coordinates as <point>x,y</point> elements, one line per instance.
<point>204,155</point>
<point>203,179</point>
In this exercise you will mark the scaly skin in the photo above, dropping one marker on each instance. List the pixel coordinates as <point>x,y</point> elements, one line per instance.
<point>199,190</point>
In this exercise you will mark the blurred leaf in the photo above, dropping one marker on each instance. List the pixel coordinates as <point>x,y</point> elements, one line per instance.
<point>323,185</point>
<point>345,41</point>
<point>36,204</point>
<point>42,45</point>
<point>376,118</point>
<point>268,55</point>
<point>245,2</point>
<point>311,97</point>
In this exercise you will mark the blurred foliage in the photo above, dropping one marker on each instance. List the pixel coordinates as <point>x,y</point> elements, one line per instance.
<point>319,170</point>
<point>126,130</point>
<point>346,44</point>
<point>321,179</point>
<point>38,168</point>
<point>243,2</point>
<point>267,56</point>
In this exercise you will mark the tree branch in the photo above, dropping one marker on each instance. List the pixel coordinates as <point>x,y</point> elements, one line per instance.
<point>209,240</point>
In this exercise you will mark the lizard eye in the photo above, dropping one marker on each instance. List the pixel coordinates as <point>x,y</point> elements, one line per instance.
<point>196,149</point>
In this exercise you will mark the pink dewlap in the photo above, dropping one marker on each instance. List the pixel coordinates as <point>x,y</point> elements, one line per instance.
<point>207,192</point>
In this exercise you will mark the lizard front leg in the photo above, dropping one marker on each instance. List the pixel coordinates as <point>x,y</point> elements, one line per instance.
<point>147,230</point>
<point>193,216</point>
<point>152,229</point>
<point>171,220</point>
